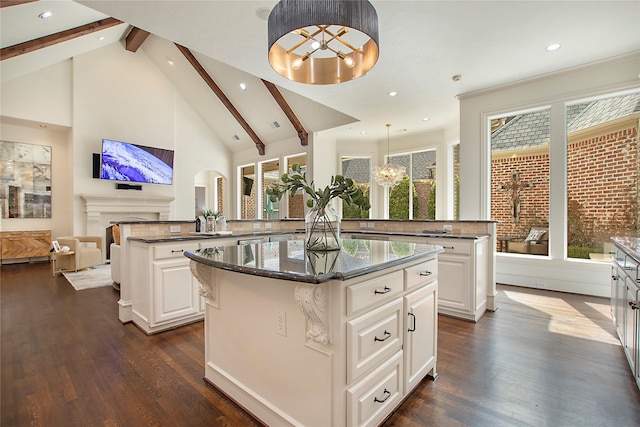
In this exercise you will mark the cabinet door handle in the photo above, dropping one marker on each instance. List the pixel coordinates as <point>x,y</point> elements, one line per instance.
<point>426,273</point>
<point>387,394</point>
<point>174,251</point>
<point>386,290</point>
<point>448,247</point>
<point>413,328</point>
<point>387,335</point>
<point>633,305</point>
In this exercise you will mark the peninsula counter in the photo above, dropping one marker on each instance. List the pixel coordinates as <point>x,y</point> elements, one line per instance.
<point>319,339</point>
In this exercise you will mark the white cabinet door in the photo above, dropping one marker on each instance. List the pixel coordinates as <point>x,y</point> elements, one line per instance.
<point>454,276</point>
<point>421,334</point>
<point>175,293</point>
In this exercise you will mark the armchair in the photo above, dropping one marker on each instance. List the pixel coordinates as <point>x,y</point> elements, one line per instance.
<point>536,242</point>
<point>87,252</point>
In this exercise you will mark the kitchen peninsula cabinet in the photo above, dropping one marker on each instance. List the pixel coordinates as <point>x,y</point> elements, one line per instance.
<point>353,333</point>
<point>462,271</point>
<point>625,298</point>
<point>164,293</point>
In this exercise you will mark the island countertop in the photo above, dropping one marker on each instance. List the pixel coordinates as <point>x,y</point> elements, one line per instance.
<point>289,260</point>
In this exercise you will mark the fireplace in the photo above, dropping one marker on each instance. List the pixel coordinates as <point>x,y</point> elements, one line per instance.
<point>101,211</point>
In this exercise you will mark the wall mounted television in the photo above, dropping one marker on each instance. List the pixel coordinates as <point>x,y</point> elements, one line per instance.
<point>123,161</point>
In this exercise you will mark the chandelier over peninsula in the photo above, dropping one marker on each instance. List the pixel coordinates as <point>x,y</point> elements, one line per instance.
<point>389,174</point>
<point>323,41</point>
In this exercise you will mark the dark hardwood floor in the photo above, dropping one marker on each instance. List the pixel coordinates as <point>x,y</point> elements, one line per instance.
<point>542,359</point>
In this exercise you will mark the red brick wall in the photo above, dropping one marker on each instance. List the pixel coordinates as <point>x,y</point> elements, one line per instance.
<point>602,176</point>
<point>599,170</point>
<point>534,201</point>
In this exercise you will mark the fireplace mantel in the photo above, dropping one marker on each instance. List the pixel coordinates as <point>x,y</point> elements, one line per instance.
<point>101,210</point>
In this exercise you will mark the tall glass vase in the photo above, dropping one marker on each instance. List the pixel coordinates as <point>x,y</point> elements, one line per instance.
<point>322,226</point>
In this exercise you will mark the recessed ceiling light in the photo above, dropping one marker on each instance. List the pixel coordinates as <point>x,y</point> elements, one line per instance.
<point>364,132</point>
<point>552,47</point>
<point>392,93</point>
<point>170,61</point>
<point>101,38</point>
<point>263,13</point>
<point>243,86</point>
<point>425,119</point>
<point>46,14</point>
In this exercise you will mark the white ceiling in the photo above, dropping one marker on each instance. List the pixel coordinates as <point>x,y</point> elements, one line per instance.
<point>422,45</point>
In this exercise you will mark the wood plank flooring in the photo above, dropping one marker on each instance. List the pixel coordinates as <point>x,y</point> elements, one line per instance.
<point>542,359</point>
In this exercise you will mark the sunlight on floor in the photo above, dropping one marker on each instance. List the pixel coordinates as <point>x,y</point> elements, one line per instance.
<point>565,316</point>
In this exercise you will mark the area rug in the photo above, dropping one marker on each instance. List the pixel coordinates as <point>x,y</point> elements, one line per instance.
<point>94,277</point>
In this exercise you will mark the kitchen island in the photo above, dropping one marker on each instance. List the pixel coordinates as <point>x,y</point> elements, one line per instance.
<point>319,339</point>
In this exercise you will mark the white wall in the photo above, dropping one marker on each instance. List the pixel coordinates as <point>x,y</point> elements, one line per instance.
<point>107,93</point>
<point>553,272</point>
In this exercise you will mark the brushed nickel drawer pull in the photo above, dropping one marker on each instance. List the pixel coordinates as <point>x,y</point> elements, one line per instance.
<point>174,251</point>
<point>426,273</point>
<point>386,290</point>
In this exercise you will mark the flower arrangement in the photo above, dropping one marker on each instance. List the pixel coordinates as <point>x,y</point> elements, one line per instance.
<point>322,231</point>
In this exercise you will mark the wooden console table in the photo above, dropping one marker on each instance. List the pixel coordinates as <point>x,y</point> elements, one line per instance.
<point>24,244</point>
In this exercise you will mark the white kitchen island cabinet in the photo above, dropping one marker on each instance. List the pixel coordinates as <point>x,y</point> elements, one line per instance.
<point>463,271</point>
<point>319,339</point>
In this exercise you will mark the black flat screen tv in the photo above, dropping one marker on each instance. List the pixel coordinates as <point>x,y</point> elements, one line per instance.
<point>123,161</point>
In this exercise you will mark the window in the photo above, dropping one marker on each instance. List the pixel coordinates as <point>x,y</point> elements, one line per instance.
<point>295,203</point>
<point>520,181</point>
<point>602,174</point>
<point>270,174</point>
<point>358,169</point>
<point>415,196</point>
<point>247,192</point>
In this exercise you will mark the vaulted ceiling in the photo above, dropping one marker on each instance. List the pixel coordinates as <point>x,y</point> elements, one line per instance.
<point>423,45</point>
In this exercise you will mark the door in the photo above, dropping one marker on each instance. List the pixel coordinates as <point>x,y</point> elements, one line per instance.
<point>421,334</point>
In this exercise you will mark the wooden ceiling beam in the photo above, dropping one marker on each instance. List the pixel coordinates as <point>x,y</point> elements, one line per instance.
<point>52,39</point>
<point>8,3</point>
<point>135,38</point>
<point>286,109</point>
<point>223,98</point>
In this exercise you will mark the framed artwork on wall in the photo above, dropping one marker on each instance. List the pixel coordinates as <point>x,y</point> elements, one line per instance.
<point>25,180</point>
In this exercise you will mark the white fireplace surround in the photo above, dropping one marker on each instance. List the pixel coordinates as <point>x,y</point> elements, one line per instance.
<point>102,210</point>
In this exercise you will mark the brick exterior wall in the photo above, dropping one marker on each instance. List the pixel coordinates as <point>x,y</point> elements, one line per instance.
<point>534,201</point>
<point>602,177</point>
<point>599,170</point>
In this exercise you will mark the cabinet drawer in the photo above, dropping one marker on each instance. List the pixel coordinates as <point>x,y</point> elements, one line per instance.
<point>373,292</point>
<point>420,274</point>
<point>371,400</point>
<point>173,251</point>
<point>373,337</point>
<point>453,246</point>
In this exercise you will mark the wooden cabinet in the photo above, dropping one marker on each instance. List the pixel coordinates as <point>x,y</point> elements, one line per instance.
<point>24,244</point>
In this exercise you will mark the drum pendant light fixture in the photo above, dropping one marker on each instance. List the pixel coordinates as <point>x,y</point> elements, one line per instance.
<point>323,41</point>
<point>389,174</point>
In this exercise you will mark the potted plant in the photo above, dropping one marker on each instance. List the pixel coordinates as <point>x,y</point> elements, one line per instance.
<point>210,216</point>
<point>322,223</point>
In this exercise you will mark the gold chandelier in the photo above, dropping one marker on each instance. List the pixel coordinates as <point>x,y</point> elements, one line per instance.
<point>389,174</point>
<point>323,41</point>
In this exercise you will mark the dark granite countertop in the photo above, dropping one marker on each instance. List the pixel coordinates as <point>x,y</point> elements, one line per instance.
<point>425,233</point>
<point>201,236</point>
<point>289,260</point>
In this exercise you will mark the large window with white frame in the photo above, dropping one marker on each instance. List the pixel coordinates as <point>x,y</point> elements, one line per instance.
<point>414,197</point>
<point>520,181</point>
<point>358,169</point>
<point>602,173</point>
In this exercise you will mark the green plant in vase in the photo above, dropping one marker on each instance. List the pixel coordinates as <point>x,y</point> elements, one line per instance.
<point>322,223</point>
